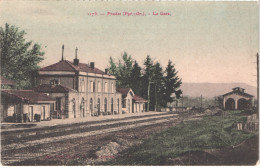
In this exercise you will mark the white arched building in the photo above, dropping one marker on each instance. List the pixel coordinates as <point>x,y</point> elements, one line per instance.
<point>237,99</point>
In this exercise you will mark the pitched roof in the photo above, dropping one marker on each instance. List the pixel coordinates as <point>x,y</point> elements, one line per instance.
<point>60,66</point>
<point>238,92</point>
<point>5,81</point>
<point>48,88</point>
<point>139,99</point>
<point>123,91</point>
<point>65,65</point>
<point>28,96</point>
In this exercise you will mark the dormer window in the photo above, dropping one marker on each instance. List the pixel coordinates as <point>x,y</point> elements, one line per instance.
<point>54,82</point>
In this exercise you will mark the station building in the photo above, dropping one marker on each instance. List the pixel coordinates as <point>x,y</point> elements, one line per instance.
<point>80,89</point>
<point>71,89</point>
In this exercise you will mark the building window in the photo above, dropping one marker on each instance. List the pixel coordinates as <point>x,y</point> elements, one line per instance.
<point>112,88</point>
<point>54,82</point>
<point>99,86</point>
<point>105,104</point>
<point>82,85</point>
<point>106,87</point>
<point>124,103</point>
<point>11,110</point>
<point>91,86</point>
<point>94,86</point>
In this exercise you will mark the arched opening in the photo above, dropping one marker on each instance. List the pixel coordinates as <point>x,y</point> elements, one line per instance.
<point>230,104</point>
<point>82,107</point>
<point>98,106</point>
<point>112,106</point>
<point>91,106</point>
<point>117,106</point>
<point>105,104</point>
<point>242,104</point>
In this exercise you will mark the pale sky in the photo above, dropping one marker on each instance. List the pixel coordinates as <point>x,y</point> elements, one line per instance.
<point>213,42</point>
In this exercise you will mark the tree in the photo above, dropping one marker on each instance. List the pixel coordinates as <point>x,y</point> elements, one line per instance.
<point>19,58</point>
<point>157,86</point>
<point>147,79</point>
<point>172,84</point>
<point>122,70</point>
<point>135,82</point>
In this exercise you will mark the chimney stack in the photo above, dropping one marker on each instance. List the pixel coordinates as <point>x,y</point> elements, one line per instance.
<point>62,52</point>
<point>76,60</point>
<point>92,65</point>
<point>106,71</point>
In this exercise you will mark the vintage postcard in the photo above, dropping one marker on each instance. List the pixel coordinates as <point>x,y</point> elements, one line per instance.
<point>129,83</point>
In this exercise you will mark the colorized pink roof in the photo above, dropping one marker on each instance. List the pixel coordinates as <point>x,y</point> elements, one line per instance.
<point>139,99</point>
<point>5,81</point>
<point>69,66</point>
<point>28,95</point>
<point>48,88</point>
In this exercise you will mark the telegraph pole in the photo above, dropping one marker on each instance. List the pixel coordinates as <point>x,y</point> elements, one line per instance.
<point>182,102</point>
<point>201,102</point>
<point>257,62</point>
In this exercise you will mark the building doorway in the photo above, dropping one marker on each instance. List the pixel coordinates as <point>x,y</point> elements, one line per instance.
<point>98,106</point>
<point>243,104</point>
<point>43,113</point>
<point>82,107</point>
<point>105,104</point>
<point>112,106</point>
<point>58,107</point>
<point>230,104</point>
<point>30,114</point>
<point>117,106</point>
<point>91,106</point>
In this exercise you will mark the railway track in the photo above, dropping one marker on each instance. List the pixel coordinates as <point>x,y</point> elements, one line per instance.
<point>36,146</point>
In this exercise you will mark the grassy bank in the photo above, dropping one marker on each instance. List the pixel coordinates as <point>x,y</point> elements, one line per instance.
<point>196,135</point>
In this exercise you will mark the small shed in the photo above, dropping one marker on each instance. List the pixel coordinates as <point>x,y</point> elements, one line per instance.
<point>237,99</point>
<point>25,103</point>
<point>131,103</point>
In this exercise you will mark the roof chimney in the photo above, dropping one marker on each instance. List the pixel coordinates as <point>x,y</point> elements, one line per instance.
<point>76,60</point>
<point>106,71</point>
<point>62,52</point>
<point>92,65</point>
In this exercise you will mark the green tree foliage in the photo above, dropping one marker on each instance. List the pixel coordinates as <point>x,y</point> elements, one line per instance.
<point>149,82</point>
<point>172,84</point>
<point>136,78</point>
<point>122,70</point>
<point>148,79</point>
<point>157,87</point>
<point>19,58</point>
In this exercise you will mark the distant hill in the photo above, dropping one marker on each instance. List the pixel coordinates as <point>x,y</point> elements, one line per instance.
<point>214,89</point>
